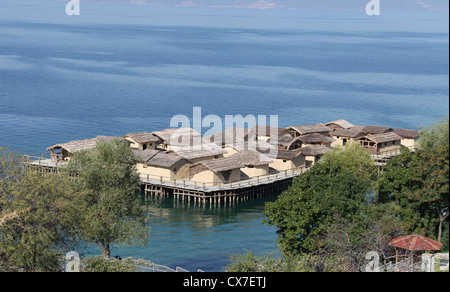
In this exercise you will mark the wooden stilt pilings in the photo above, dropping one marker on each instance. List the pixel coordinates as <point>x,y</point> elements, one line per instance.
<point>217,197</point>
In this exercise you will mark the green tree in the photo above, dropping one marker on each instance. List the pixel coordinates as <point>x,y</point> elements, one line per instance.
<point>419,183</point>
<point>435,135</point>
<point>109,186</point>
<point>38,220</point>
<point>352,158</point>
<point>445,238</point>
<point>332,187</point>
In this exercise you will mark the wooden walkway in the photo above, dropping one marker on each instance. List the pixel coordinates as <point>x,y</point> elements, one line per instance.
<point>209,193</point>
<point>185,190</point>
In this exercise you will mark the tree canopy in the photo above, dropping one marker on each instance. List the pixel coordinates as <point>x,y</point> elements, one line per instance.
<point>38,221</point>
<point>109,186</point>
<point>335,186</point>
<point>419,182</point>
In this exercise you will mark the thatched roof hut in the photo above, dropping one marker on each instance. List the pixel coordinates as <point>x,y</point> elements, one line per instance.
<point>286,142</point>
<point>378,143</point>
<point>243,164</point>
<point>351,132</point>
<point>376,130</point>
<point>315,138</point>
<point>314,150</point>
<point>339,124</point>
<point>239,160</point>
<point>265,132</point>
<point>406,133</point>
<point>143,156</point>
<point>308,129</point>
<point>383,137</point>
<point>62,151</point>
<point>200,152</point>
<point>142,137</point>
<point>230,136</point>
<point>165,160</point>
<point>177,137</point>
<point>142,140</point>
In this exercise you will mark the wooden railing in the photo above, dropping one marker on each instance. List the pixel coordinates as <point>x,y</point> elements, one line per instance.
<point>251,181</point>
<point>391,153</point>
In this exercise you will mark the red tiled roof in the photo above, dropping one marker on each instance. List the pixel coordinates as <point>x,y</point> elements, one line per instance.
<point>415,242</point>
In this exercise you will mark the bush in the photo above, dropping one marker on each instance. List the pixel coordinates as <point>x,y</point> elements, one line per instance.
<point>102,264</point>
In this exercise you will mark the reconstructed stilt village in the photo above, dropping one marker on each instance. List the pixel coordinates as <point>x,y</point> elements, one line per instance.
<point>236,164</point>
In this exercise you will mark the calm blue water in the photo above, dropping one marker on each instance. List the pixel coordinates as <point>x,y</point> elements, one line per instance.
<point>118,69</point>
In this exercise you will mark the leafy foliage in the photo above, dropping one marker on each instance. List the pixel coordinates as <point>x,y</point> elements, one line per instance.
<point>109,196</point>
<point>419,183</point>
<point>100,264</point>
<point>37,220</point>
<point>333,187</point>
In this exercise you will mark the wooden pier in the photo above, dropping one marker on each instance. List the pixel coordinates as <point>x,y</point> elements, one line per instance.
<point>199,193</point>
<point>202,193</point>
<point>185,190</point>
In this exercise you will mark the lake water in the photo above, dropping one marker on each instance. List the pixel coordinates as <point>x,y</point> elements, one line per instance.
<point>117,69</point>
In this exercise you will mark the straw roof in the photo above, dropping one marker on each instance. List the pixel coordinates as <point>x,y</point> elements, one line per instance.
<point>142,137</point>
<point>314,150</point>
<point>384,137</point>
<point>78,145</point>
<point>289,154</point>
<point>266,131</point>
<point>165,160</point>
<point>308,129</point>
<point>376,130</point>
<point>341,123</point>
<point>236,161</point>
<point>231,135</point>
<point>201,151</point>
<point>315,138</point>
<point>285,141</point>
<point>175,134</point>
<point>352,132</point>
<point>406,133</point>
<point>253,145</point>
<point>144,155</point>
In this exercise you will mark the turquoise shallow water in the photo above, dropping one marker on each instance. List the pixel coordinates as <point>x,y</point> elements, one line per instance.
<point>118,69</point>
<point>201,237</point>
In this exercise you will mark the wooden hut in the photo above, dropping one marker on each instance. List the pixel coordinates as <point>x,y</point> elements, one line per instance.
<point>342,136</point>
<point>141,157</point>
<point>264,133</point>
<point>206,151</point>
<point>242,165</point>
<point>315,139</point>
<point>215,172</point>
<point>313,153</point>
<point>230,136</point>
<point>286,142</point>
<point>409,137</point>
<point>142,140</point>
<point>376,130</point>
<point>64,151</point>
<point>177,137</point>
<point>296,131</point>
<point>289,159</point>
<point>158,164</point>
<point>339,124</point>
<point>381,143</point>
